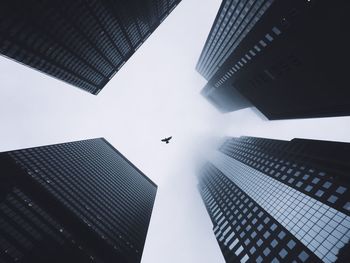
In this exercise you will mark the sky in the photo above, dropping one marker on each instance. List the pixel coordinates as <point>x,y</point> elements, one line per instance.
<point>154,95</point>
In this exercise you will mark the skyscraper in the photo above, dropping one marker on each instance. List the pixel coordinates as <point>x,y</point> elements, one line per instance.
<point>279,201</point>
<point>233,22</point>
<point>73,202</point>
<point>83,43</point>
<point>279,58</point>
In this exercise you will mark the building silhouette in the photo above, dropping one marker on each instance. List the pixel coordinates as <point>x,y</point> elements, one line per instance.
<point>83,43</point>
<point>279,201</point>
<point>81,201</point>
<point>276,56</point>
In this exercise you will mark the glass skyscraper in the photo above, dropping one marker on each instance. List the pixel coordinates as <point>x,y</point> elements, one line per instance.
<point>274,55</point>
<point>83,43</point>
<point>233,22</point>
<point>279,201</point>
<point>81,201</point>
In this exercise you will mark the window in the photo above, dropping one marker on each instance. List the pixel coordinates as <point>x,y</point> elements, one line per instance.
<point>276,30</point>
<point>303,256</point>
<point>297,173</point>
<point>327,185</point>
<point>263,43</point>
<point>239,250</point>
<point>341,190</point>
<point>244,259</point>
<point>274,243</point>
<point>283,253</point>
<point>321,173</point>
<point>267,234</point>
<point>291,244</point>
<point>269,37</point>
<point>228,239</point>
<point>281,235</point>
<point>308,188</point>
<point>315,180</point>
<point>252,250</point>
<point>319,193</point>
<point>253,235</point>
<point>266,251</point>
<point>233,244</point>
<point>259,243</point>
<point>332,199</point>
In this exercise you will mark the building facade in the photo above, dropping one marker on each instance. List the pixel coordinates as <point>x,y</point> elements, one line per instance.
<point>83,43</point>
<point>233,22</point>
<point>81,201</point>
<point>279,201</point>
<point>284,65</point>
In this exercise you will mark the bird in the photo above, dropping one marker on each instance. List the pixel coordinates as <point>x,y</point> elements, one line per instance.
<point>166,140</point>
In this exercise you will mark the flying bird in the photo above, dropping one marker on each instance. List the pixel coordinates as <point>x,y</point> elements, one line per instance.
<point>166,140</point>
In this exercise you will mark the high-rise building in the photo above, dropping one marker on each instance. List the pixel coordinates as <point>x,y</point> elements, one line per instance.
<point>279,201</point>
<point>277,56</point>
<point>233,22</point>
<point>83,43</point>
<point>81,201</point>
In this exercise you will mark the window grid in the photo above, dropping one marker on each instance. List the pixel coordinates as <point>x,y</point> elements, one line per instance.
<point>243,229</point>
<point>232,24</point>
<point>275,159</point>
<point>83,43</point>
<point>289,207</point>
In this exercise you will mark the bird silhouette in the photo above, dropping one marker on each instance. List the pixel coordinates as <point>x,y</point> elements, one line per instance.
<point>166,140</point>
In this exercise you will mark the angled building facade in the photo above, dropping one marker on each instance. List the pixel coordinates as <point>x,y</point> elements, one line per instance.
<point>83,43</point>
<point>233,22</point>
<point>285,65</point>
<point>73,202</point>
<point>279,201</point>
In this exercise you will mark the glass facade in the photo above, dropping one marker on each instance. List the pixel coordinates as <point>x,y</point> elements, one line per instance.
<point>83,200</point>
<point>259,50</point>
<point>234,21</point>
<point>248,56</point>
<point>253,211</point>
<point>83,43</point>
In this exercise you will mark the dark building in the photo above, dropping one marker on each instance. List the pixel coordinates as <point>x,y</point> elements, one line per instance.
<point>81,201</point>
<point>233,22</point>
<point>290,62</point>
<point>279,201</point>
<point>83,43</point>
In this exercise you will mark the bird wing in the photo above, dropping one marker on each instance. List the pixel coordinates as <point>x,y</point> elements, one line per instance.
<point>169,138</point>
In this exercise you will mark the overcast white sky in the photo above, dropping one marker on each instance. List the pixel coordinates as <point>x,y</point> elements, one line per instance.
<point>155,94</point>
